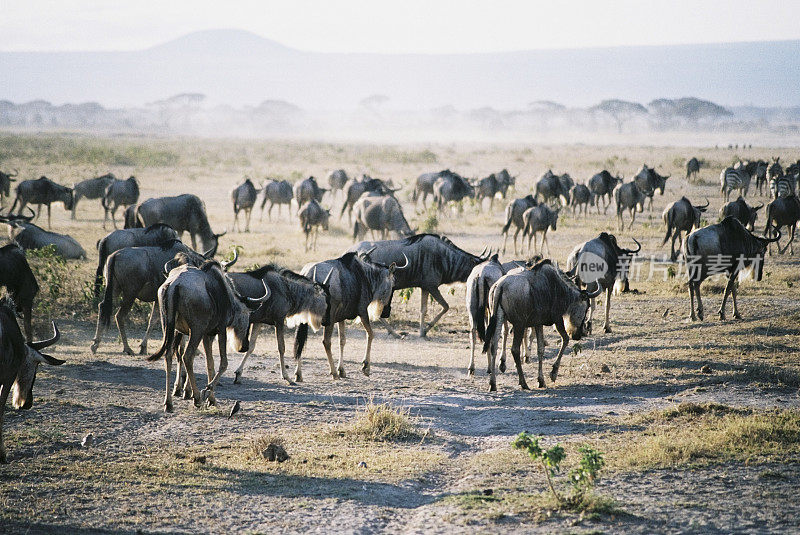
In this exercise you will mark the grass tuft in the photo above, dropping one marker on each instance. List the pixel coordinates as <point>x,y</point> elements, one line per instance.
<point>383,422</point>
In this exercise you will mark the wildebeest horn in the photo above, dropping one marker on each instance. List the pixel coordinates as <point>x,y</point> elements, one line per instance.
<point>221,234</point>
<point>706,205</point>
<point>367,253</point>
<point>22,217</point>
<point>167,268</point>
<point>771,240</point>
<point>38,346</point>
<point>227,264</point>
<point>759,207</point>
<point>254,302</point>
<point>596,292</point>
<point>16,172</point>
<point>637,243</point>
<point>404,265</point>
<point>327,277</point>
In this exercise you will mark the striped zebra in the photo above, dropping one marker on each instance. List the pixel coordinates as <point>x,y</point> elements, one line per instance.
<point>734,178</point>
<point>776,169</point>
<point>782,186</point>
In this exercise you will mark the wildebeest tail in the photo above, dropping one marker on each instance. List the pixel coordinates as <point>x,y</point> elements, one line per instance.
<point>492,327</point>
<point>107,304</point>
<point>477,306</point>
<point>168,319</point>
<point>355,229</point>
<point>509,218</point>
<point>300,338</point>
<point>102,250</point>
<point>668,222</point>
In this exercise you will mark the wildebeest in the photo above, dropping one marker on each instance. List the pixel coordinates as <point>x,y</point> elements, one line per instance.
<point>725,247</point>
<point>601,260</point>
<point>312,217</point>
<point>130,219</point>
<point>277,192</point>
<point>451,187</point>
<point>184,213</point>
<point>740,210</point>
<point>94,188</point>
<point>434,260</point>
<point>580,196</point>
<point>294,300</point>
<point>776,169</point>
<point>357,288</point>
<point>514,212</point>
<point>18,364</point>
<point>487,188</point>
<point>5,185</point>
<point>131,237</point>
<point>759,173</point>
<point>628,196</point>
<point>20,283</point>
<point>480,280</point>
<point>307,190</point>
<point>201,302</point>
<point>29,236</point>
<point>551,188</point>
<point>692,168</point>
<point>648,181</point>
<point>679,217</point>
<point>380,213</point>
<point>39,192</point>
<point>365,186</point>
<point>539,219</point>
<point>244,198</point>
<point>133,273</point>
<point>424,185</point>
<point>602,186</point>
<point>119,193</point>
<point>734,178</point>
<point>336,180</point>
<point>783,211</point>
<point>534,297</point>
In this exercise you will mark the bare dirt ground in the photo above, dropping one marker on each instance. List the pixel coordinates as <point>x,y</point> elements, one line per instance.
<point>195,470</point>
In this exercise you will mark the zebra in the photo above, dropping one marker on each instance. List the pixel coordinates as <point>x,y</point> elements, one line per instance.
<point>734,178</point>
<point>782,186</point>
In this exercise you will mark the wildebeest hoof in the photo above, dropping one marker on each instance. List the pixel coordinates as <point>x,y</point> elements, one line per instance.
<point>342,374</point>
<point>237,378</point>
<point>502,366</point>
<point>606,329</point>
<point>143,349</point>
<point>736,316</point>
<point>168,408</point>
<point>722,316</point>
<point>176,391</point>
<point>554,374</point>
<point>365,370</point>
<point>128,351</point>
<point>523,385</point>
<point>541,382</point>
<point>335,374</point>
<point>206,393</point>
<point>93,347</point>
<point>187,393</point>
<point>298,377</point>
<point>471,371</point>
<point>492,387</point>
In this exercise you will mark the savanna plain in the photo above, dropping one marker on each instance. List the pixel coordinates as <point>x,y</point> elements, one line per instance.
<point>698,423</point>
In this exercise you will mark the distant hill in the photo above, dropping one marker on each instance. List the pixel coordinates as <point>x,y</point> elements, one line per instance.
<point>239,68</point>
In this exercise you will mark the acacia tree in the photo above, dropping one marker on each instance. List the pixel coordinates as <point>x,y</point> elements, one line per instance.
<point>620,110</point>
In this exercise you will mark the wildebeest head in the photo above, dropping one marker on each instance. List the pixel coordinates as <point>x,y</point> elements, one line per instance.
<point>22,390</point>
<point>239,325</point>
<point>382,287</point>
<point>697,211</point>
<point>554,218</point>
<point>575,317</point>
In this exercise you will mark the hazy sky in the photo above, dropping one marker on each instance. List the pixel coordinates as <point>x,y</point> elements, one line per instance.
<point>431,26</point>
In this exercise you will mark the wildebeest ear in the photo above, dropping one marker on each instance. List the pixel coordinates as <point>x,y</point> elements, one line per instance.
<point>392,267</point>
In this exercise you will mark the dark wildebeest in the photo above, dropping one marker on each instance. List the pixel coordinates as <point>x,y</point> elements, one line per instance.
<point>18,364</point>
<point>629,197</point>
<point>131,237</point>
<point>776,169</point>
<point>760,175</point>
<point>480,279</point>
<point>506,181</point>
<point>294,300</point>
<point>244,198</point>
<point>94,188</point>
<point>648,181</point>
<point>514,212</point>
<point>39,192</point>
<point>740,210</point>
<point>366,186</point>
<point>539,219</point>
<point>133,273</point>
<point>551,188</point>
<point>312,217</point>
<point>601,260</point>
<point>783,211</point>
<point>120,193</point>
<point>202,303</point>
<point>486,188</point>
<point>357,288</point>
<point>130,219</point>
<point>434,260</point>
<point>679,217</point>
<point>451,187</point>
<point>692,168</point>
<point>424,185</point>
<point>380,213</point>
<point>20,283</point>
<point>5,185</point>
<point>184,213</point>
<point>336,180</point>
<point>602,186</point>
<point>580,196</point>
<point>734,178</point>
<point>307,190</point>
<point>535,297</point>
<point>29,236</point>
<point>277,192</point>
<point>726,247</point>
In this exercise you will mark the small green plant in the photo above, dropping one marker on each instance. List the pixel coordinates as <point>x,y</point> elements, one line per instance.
<point>405,294</point>
<point>51,271</point>
<point>671,272</point>
<point>431,222</point>
<point>550,459</point>
<point>584,476</point>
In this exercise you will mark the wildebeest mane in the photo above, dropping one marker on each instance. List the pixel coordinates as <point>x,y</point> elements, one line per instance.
<point>157,226</point>
<point>169,244</point>
<point>13,336</point>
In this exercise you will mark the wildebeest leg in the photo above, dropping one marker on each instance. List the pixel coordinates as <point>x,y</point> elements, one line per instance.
<point>370,336</point>
<point>280,336</point>
<point>607,322</point>
<point>516,345</point>
<point>672,254</point>
<point>168,370</point>
<point>516,233</point>
<point>4,391</point>
<point>539,332</point>
<point>423,309</point>
<point>491,355</point>
<point>728,289</point>
<point>691,300</point>
<point>194,241</point>
<point>390,329</point>
<point>113,216</point>
<point>633,217</point>
<point>120,317</point>
<point>545,242</point>
<point>48,216</point>
<point>473,334</point>
<point>506,330</point>
<point>235,219</point>
<point>505,239</point>
<point>564,342</point>
<point>699,301</point>
<point>735,305</point>
<point>26,320</point>
<point>327,334</point>
<point>248,212</point>
<point>437,296</point>
<point>188,363</point>
<point>341,329</point>
<point>143,345</point>
<point>255,328</point>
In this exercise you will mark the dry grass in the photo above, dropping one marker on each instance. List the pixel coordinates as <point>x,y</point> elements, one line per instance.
<point>383,421</point>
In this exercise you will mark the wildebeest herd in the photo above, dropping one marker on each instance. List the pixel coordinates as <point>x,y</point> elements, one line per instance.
<point>199,299</point>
